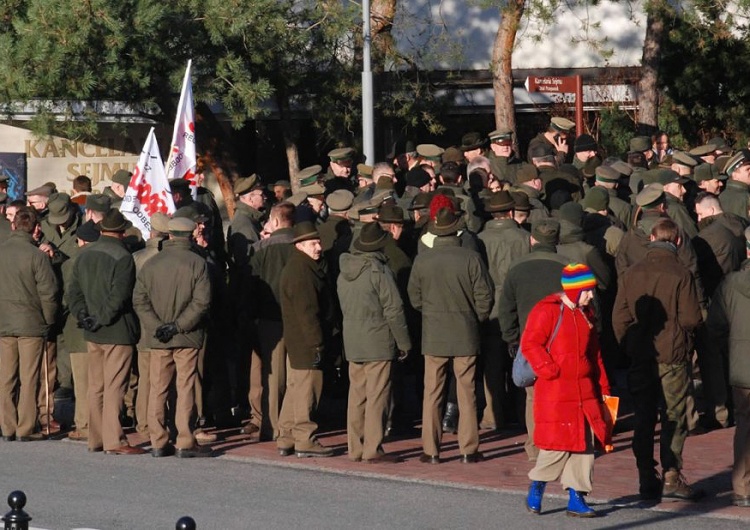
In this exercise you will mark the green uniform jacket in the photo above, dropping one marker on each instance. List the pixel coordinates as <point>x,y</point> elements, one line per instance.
<point>174,286</point>
<point>243,231</point>
<point>450,285</point>
<point>74,341</point>
<point>266,266</point>
<point>4,228</point>
<point>374,320</point>
<point>503,242</point>
<point>656,309</point>
<point>556,180</point>
<point>505,168</point>
<point>530,278</point>
<point>540,139</point>
<point>65,243</point>
<point>677,210</point>
<point>102,285</point>
<point>304,309</point>
<point>719,249</point>
<point>28,296</point>
<point>473,222</point>
<point>538,209</point>
<point>622,210</point>
<point>727,325</point>
<point>735,198</point>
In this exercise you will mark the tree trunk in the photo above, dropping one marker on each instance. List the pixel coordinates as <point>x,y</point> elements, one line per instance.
<point>648,88</point>
<point>213,152</point>
<point>502,66</point>
<point>382,13</point>
<point>290,132</point>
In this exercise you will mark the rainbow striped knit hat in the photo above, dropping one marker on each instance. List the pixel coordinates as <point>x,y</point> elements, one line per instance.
<point>576,278</point>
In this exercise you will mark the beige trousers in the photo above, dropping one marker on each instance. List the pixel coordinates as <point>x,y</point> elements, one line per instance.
<point>575,470</point>
<point>48,378</point>
<point>144,389</point>
<point>79,365</point>
<point>20,361</point>
<point>367,410</point>
<point>296,427</point>
<point>109,372</point>
<point>268,379</point>
<point>435,370</point>
<point>164,363</point>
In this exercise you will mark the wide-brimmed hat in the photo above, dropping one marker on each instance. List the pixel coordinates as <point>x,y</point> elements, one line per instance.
<point>389,213</point>
<point>113,221</point>
<point>446,223</point>
<point>122,177</point>
<point>521,201</point>
<point>305,231</point>
<point>59,209</point>
<point>500,201</point>
<point>471,141</point>
<point>98,202</point>
<point>371,238</point>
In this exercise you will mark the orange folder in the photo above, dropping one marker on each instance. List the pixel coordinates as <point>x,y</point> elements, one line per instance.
<point>611,404</point>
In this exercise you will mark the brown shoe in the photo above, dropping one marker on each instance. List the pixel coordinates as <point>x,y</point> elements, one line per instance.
<point>203,437</point>
<point>125,450</point>
<point>314,451</point>
<point>384,459</point>
<point>429,459</point>
<point>676,487</point>
<point>79,436</point>
<point>197,451</point>
<point>250,429</point>
<point>33,437</point>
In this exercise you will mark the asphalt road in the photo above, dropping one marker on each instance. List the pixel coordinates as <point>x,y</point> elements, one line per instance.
<point>69,488</point>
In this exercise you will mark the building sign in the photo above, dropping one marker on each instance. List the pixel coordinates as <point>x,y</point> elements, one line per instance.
<point>60,160</point>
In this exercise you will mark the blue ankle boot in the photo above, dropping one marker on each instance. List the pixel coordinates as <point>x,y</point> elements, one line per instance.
<point>577,506</point>
<point>534,498</point>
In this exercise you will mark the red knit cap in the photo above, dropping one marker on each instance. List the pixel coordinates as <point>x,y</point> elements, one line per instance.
<point>439,202</point>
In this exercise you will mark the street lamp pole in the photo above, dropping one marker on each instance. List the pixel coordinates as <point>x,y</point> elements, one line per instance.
<point>368,119</point>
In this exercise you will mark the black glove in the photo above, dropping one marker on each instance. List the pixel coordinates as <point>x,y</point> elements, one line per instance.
<point>318,361</point>
<point>81,316</point>
<point>165,332</point>
<point>91,324</point>
<point>402,355</point>
<point>513,350</point>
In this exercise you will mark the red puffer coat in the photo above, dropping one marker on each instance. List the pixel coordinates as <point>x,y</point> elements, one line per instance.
<point>570,378</point>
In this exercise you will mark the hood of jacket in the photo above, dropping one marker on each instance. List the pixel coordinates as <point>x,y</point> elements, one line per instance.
<point>354,264</point>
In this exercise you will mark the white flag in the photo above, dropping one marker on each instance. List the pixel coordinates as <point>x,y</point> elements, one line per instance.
<point>182,158</point>
<point>148,191</point>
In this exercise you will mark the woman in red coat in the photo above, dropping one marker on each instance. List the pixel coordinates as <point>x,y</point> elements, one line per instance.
<point>569,389</point>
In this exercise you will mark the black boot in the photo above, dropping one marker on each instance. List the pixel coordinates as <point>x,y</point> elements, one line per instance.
<point>450,420</point>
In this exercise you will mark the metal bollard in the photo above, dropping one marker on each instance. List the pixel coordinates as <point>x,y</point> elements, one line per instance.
<point>184,523</point>
<point>16,518</point>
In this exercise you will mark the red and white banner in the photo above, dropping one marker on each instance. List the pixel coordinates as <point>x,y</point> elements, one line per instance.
<point>182,158</point>
<point>148,191</point>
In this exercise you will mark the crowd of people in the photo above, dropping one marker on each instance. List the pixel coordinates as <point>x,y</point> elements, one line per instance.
<point>412,280</point>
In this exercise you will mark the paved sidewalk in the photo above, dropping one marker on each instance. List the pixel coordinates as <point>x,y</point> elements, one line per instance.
<point>708,461</point>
